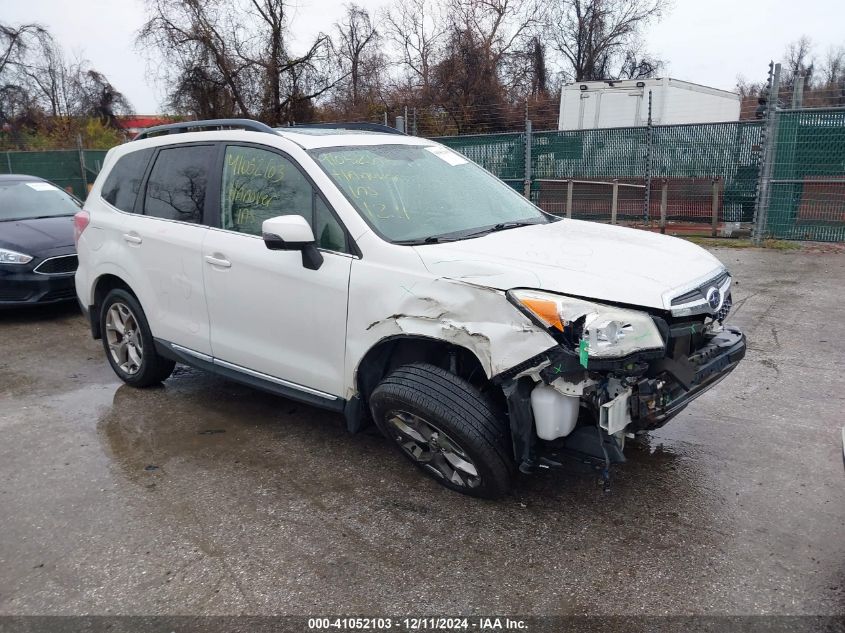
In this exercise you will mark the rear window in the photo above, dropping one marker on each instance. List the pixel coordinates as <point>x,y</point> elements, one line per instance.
<point>177,183</point>
<point>28,199</point>
<point>124,180</point>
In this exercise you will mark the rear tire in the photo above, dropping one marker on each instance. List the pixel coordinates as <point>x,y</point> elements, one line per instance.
<point>128,341</point>
<point>446,427</point>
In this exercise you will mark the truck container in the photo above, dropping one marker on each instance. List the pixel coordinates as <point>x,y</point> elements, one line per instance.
<point>586,105</point>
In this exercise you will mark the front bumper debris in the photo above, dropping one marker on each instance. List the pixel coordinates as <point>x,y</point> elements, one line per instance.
<point>658,399</point>
<point>659,391</point>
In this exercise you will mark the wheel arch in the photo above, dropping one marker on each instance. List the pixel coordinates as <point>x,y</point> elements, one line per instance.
<point>104,284</point>
<point>401,349</point>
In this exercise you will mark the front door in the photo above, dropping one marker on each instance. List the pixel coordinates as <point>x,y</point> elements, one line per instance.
<point>268,313</point>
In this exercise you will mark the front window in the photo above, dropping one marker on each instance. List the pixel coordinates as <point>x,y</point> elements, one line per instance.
<point>30,199</point>
<point>260,184</point>
<point>416,194</point>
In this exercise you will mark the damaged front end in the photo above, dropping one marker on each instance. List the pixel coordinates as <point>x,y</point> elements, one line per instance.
<point>615,373</point>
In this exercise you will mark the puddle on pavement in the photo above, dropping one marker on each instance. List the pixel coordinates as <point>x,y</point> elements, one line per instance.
<point>199,423</point>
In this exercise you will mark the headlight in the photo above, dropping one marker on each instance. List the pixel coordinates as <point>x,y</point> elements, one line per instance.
<point>12,257</point>
<point>594,329</point>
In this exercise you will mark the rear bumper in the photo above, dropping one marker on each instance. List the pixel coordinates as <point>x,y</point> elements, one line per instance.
<point>22,288</point>
<point>658,399</point>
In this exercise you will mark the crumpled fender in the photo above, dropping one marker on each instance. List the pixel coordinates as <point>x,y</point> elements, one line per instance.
<point>386,303</point>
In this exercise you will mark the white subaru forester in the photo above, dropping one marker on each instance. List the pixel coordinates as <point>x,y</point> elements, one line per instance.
<point>390,279</point>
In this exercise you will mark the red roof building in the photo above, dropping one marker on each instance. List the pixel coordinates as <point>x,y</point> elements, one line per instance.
<point>134,124</point>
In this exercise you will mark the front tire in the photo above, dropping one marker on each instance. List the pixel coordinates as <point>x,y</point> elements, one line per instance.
<point>445,427</point>
<point>128,341</point>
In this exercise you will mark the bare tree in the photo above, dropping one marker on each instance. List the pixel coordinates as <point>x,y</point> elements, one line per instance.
<point>34,69</point>
<point>98,98</point>
<point>17,107</point>
<point>752,101</point>
<point>525,72</point>
<point>498,27</point>
<point>15,43</point>
<point>190,35</point>
<point>47,100</point>
<point>484,68</point>
<point>416,28</point>
<point>50,76</point>
<point>539,74</point>
<point>466,84</point>
<point>360,58</point>
<point>798,62</point>
<point>17,113</point>
<point>828,80</point>
<point>635,66</point>
<point>832,70</point>
<point>279,66</point>
<point>232,59</point>
<point>600,39</point>
<point>198,91</point>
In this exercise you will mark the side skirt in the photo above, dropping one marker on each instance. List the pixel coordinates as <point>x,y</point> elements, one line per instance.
<point>248,377</point>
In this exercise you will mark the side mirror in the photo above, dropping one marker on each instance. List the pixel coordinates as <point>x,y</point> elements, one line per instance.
<point>292,233</point>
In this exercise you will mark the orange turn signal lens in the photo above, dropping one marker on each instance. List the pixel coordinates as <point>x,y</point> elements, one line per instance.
<point>544,310</point>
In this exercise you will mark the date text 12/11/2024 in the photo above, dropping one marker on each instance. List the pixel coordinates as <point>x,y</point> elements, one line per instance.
<point>481,624</point>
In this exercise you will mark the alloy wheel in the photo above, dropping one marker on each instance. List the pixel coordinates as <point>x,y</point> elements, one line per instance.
<point>433,449</point>
<point>123,335</point>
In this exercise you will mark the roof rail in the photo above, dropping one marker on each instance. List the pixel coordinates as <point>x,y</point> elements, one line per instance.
<point>352,125</point>
<point>209,124</point>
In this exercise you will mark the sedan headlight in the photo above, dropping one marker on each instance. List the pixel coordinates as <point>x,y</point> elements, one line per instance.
<point>13,257</point>
<point>593,329</point>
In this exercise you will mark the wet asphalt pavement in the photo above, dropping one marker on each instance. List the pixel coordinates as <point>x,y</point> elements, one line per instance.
<point>205,497</point>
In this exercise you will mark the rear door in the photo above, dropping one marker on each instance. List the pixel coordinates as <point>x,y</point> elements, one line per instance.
<point>163,245</point>
<point>101,246</point>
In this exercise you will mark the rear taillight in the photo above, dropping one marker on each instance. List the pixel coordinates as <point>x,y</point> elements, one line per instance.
<point>80,221</point>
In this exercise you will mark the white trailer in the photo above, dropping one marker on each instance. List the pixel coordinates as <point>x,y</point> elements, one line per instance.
<point>586,105</point>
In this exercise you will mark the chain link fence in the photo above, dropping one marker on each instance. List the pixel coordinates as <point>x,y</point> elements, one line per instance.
<point>782,177</point>
<point>807,185</point>
<point>665,176</point>
<point>72,170</point>
<point>500,154</point>
<point>696,178</point>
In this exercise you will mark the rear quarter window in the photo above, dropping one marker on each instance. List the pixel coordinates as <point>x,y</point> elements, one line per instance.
<point>124,180</point>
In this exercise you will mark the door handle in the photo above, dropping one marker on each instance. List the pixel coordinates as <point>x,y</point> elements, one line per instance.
<point>132,238</point>
<point>218,261</point>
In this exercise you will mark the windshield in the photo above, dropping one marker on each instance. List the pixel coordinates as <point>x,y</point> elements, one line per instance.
<point>410,193</point>
<point>27,199</point>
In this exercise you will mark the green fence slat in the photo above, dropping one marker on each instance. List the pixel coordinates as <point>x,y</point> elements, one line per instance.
<point>807,199</point>
<point>688,154</point>
<point>61,167</point>
<point>807,193</point>
<point>500,154</point>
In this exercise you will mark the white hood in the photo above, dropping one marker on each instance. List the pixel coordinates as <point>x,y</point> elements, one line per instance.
<point>586,259</point>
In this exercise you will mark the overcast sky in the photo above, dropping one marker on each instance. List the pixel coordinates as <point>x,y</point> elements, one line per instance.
<point>705,41</point>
